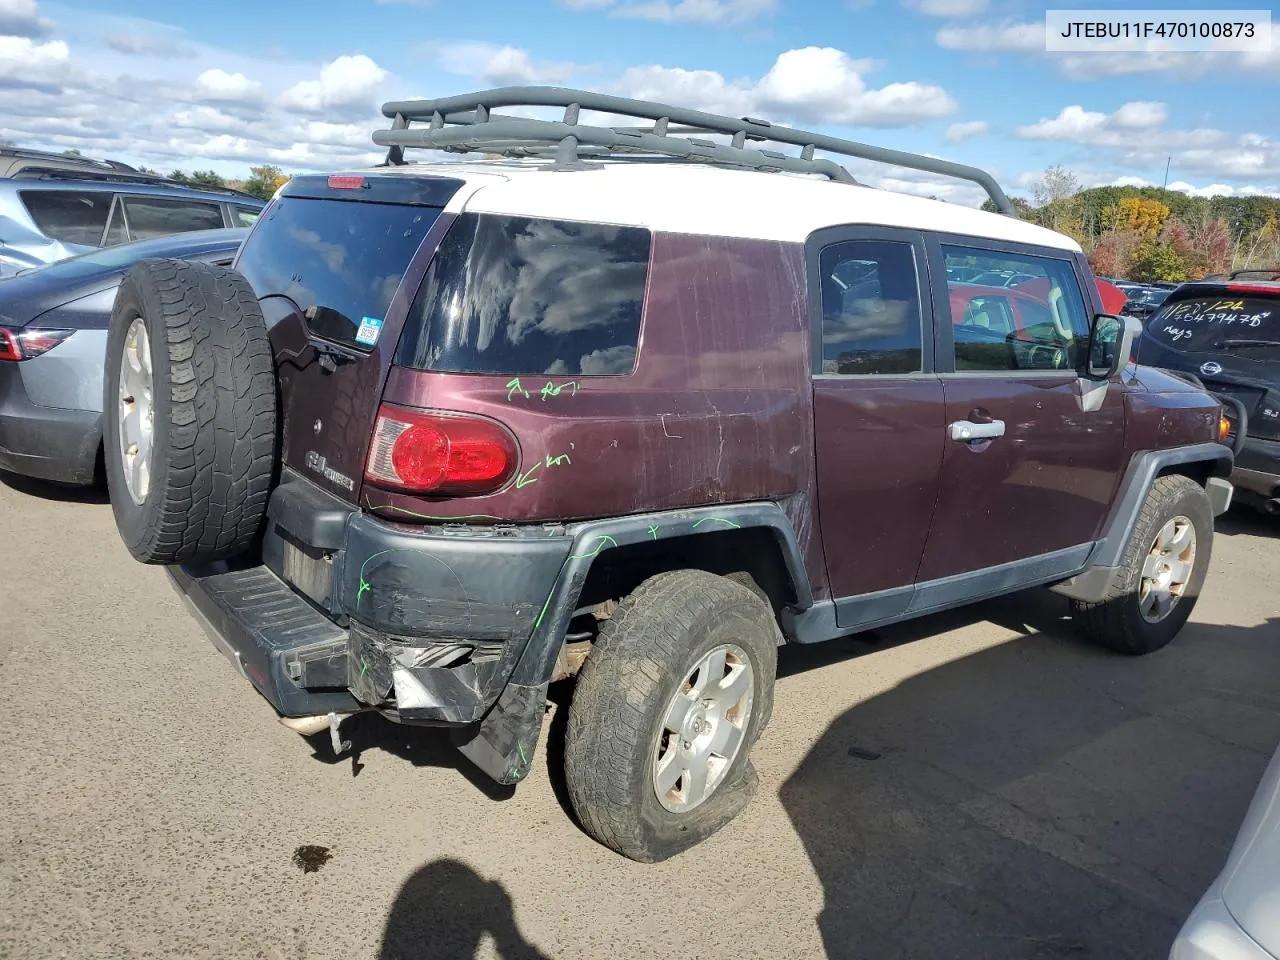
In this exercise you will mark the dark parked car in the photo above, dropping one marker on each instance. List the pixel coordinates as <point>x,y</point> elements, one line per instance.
<point>446,437</point>
<point>54,206</point>
<point>53,334</point>
<point>1144,301</point>
<point>1226,334</point>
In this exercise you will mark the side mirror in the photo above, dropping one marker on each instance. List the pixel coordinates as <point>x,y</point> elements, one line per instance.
<point>1110,345</point>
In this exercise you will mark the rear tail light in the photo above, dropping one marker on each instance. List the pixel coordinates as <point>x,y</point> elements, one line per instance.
<point>23,343</point>
<point>342,182</point>
<point>1253,288</point>
<point>444,454</point>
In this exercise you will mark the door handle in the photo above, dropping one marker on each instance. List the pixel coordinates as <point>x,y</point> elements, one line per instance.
<point>968,430</point>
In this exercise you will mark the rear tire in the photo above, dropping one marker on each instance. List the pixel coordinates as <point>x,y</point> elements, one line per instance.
<point>1160,574</point>
<point>686,643</point>
<point>188,358</point>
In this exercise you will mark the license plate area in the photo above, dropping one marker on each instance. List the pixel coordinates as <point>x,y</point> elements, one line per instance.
<point>309,570</point>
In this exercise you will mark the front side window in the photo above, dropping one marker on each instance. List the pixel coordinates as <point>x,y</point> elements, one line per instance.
<point>514,295</point>
<point>67,215</point>
<point>156,217</point>
<point>1017,312</point>
<point>870,308</point>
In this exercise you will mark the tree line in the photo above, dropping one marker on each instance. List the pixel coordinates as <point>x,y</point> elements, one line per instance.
<point>262,182</point>
<point>1150,233</point>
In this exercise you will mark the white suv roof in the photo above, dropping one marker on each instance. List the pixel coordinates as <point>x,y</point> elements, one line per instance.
<point>716,201</point>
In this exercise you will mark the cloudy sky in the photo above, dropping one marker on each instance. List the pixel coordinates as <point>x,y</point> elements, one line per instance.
<point>298,82</point>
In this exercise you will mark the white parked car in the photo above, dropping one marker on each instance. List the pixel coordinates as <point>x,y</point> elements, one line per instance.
<point>1239,916</point>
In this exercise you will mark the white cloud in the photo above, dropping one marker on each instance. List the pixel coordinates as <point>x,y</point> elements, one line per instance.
<point>217,84</point>
<point>345,82</point>
<point>21,18</point>
<point>139,45</point>
<point>959,132</point>
<point>1140,115</point>
<point>1135,134</point>
<point>1073,123</point>
<point>818,85</point>
<point>1006,36</point>
<point>26,61</point>
<point>948,8</point>
<point>495,65</point>
<point>680,11</point>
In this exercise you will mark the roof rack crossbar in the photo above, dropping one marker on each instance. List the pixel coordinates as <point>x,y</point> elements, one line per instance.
<point>466,122</point>
<point>506,136</point>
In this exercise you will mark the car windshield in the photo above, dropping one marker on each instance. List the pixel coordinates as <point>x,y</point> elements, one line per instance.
<point>1207,322</point>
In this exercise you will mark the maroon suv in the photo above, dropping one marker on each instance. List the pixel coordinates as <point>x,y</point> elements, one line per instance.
<point>637,408</point>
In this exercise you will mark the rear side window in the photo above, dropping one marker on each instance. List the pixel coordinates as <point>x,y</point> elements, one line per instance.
<point>514,295</point>
<point>339,261</point>
<point>67,215</point>
<point>153,217</point>
<point>245,216</point>
<point>870,308</point>
<point>1218,322</point>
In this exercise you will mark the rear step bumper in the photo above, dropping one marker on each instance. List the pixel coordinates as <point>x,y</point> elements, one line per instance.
<point>265,629</point>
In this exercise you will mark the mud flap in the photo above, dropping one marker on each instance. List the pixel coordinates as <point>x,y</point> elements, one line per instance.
<point>502,744</point>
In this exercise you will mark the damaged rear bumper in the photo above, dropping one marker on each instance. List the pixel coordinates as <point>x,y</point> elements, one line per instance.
<point>347,612</point>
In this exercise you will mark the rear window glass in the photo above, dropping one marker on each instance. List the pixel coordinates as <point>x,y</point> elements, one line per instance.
<point>1205,323</point>
<point>151,217</point>
<point>339,261</point>
<point>69,216</point>
<point>514,295</point>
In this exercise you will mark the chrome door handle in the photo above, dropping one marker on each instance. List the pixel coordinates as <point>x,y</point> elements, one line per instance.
<point>968,430</point>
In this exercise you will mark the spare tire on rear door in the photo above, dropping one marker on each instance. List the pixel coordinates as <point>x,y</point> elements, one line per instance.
<point>189,412</point>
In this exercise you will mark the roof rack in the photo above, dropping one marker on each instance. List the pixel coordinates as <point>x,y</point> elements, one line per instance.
<point>466,124</point>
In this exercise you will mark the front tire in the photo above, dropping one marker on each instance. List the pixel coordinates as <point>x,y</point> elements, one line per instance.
<point>675,692</point>
<point>1160,575</point>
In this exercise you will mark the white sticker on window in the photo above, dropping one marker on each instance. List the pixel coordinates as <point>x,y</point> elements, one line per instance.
<point>367,335</point>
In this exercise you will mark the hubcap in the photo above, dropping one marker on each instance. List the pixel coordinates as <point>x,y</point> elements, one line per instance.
<point>136,411</point>
<point>1167,569</point>
<point>703,728</point>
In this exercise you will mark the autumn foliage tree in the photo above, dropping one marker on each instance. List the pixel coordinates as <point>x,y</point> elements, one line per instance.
<point>1150,233</point>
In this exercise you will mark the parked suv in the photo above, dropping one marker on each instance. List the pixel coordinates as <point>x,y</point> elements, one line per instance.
<point>53,207</point>
<point>1225,333</point>
<point>456,431</point>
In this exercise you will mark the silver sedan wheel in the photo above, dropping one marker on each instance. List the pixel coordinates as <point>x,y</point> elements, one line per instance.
<point>1167,569</point>
<point>703,728</point>
<point>136,410</point>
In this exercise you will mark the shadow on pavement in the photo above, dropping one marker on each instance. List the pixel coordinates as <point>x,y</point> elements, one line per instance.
<point>421,746</point>
<point>444,911</point>
<point>1248,521</point>
<point>48,490</point>
<point>1039,799</point>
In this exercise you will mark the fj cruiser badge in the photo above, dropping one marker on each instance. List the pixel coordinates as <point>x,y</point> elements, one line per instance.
<point>320,465</point>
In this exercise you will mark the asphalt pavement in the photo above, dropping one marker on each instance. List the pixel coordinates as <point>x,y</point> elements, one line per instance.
<point>979,784</point>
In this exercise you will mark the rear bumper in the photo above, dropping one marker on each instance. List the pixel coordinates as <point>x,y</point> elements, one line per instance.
<point>427,627</point>
<point>51,443</point>
<point>1257,469</point>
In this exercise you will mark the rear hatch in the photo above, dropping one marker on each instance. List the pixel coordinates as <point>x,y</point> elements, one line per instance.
<point>1228,335</point>
<point>334,262</point>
